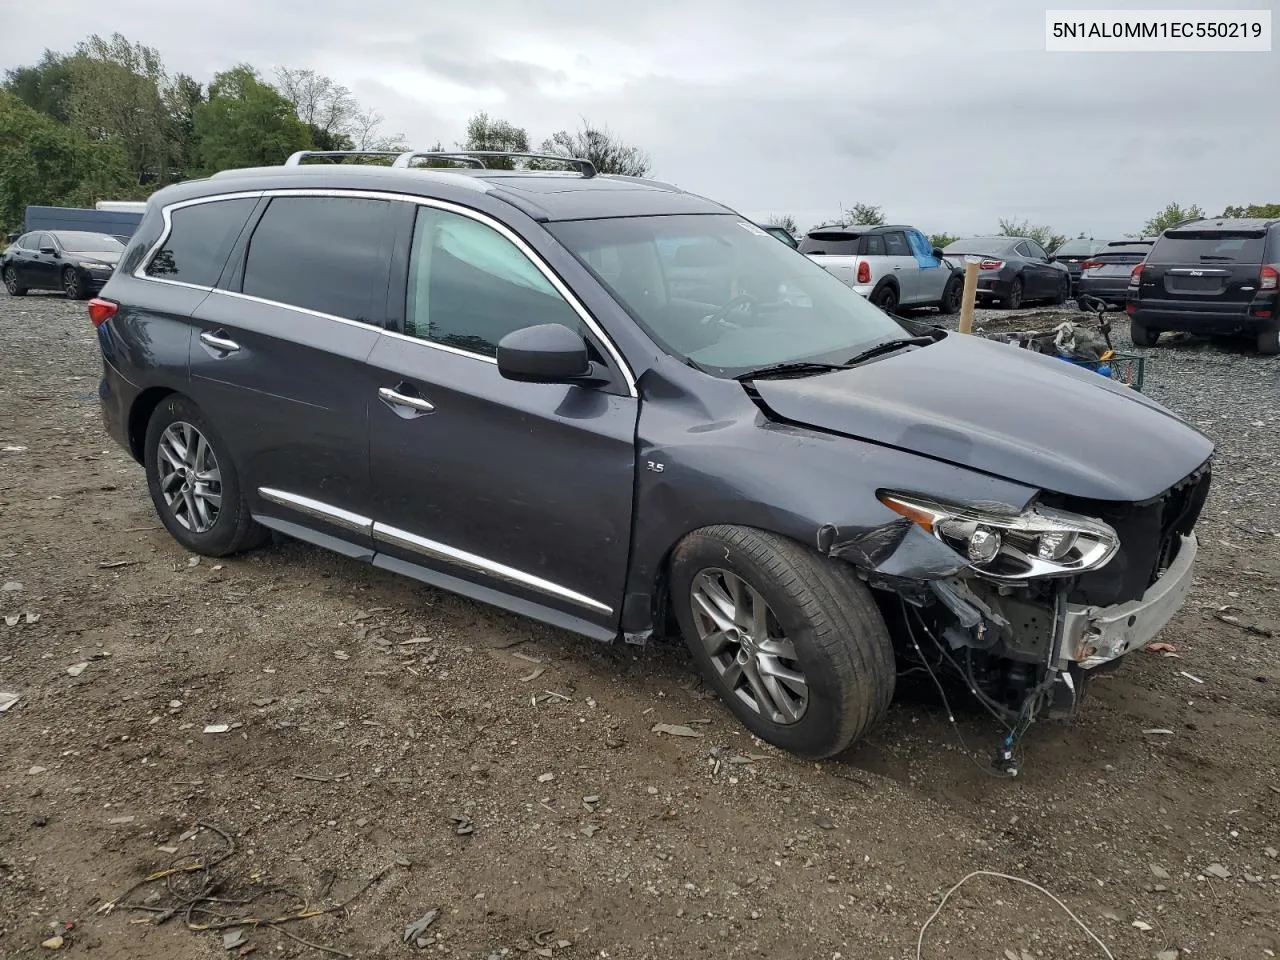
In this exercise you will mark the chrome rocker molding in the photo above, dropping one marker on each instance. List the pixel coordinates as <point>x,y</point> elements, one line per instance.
<point>392,536</point>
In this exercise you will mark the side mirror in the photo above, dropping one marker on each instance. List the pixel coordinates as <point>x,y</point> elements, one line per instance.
<point>48,249</point>
<point>546,353</point>
<point>938,254</point>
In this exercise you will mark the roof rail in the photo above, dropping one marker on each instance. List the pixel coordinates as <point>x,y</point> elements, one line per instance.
<point>584,167</point>
<point>295,159</point>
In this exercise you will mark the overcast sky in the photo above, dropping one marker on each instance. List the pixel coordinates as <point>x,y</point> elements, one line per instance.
<point>947,114</point>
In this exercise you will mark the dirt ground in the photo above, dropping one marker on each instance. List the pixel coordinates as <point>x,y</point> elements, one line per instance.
<point>366,712</point>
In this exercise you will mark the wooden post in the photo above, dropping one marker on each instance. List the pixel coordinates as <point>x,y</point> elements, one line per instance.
<point>969,296</point>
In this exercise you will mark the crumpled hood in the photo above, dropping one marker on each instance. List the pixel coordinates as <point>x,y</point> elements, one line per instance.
<point>1005,411</point>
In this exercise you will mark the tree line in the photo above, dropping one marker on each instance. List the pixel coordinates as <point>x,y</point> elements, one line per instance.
<point>109,121</point>
<point>866,214</point>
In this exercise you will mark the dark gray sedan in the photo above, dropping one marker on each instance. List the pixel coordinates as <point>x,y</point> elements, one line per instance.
<point>1106,274</point>
<point>1013,270</point>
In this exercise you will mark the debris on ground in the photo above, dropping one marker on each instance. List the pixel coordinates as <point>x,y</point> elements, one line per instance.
<point>1218,870</point>
<point>676,730</point>
<point>414,932</point>
<point>7,700</point>
<point>1165,648</point>
<point>11,586</point>
<point>77,668</point>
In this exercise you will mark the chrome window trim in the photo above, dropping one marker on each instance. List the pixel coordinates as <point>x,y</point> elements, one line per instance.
<point>318,510</point>
<point>502,229</point>
<point>439,551</point>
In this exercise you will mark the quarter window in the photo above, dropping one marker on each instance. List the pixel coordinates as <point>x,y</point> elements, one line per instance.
<point>469,286</point>
<point>200,238</point>
<point>327,254</point>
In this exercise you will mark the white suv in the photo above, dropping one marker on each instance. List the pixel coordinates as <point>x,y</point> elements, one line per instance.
<point>892,266</point>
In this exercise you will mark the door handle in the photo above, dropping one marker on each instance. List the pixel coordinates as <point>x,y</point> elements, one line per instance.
<point>403,404</point>
<point>219,342</point>
<point>897,268</point>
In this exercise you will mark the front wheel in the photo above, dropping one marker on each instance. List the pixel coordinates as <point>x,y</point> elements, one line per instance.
<point>793,642</point>
<point>951,296</point>
<point>193,483</point>
<point>72,285</point>
<point>11,283</point>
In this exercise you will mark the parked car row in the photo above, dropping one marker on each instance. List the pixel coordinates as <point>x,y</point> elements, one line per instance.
<point>77,263</point>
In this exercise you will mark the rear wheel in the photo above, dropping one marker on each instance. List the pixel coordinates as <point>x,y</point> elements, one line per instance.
<point>1269,342</point>
<point>950,302</point>
<point>11,283</point>
<point>72,285</point>
<point>886,298</point>
<point>1014,300</point>
<point>793,642</point>
<point>194,484</point>
<point>1142,335</point>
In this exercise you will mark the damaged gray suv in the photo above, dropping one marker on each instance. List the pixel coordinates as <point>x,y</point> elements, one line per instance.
<point>627,411</point>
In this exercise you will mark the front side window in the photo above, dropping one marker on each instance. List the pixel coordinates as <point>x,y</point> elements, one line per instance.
<point>758,304</point>
<point>79,242</point>
<point>469,286</point>
<point>199,240</point>
<point>327,254</point>
<point>1037,251</point>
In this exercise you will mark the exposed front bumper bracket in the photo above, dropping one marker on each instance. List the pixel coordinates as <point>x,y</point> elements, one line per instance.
<point>1093,636</point>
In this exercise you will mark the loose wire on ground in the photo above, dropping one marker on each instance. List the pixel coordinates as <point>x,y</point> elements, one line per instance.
<point>1026,883</point>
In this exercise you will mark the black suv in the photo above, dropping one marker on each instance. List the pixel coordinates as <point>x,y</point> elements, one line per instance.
<point>1210,277</point>
<point>628,411</point>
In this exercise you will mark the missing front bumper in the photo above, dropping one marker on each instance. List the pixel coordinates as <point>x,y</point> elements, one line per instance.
<point>1092,636</point>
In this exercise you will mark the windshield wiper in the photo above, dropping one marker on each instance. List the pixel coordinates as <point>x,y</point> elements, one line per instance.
<point>889,346</point>
<point>793,366</point>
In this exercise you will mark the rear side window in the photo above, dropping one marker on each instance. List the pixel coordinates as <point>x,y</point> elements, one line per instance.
<point>199,241</point>
<point>1190,247</point>
<point>327,254</point>
<point>831,244</point>
<point>469,286</point>
<point>895,245</point>
<point>875,245</point>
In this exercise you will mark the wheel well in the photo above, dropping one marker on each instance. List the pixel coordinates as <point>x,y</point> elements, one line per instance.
<point>885,282</point>
<point>140,415</point>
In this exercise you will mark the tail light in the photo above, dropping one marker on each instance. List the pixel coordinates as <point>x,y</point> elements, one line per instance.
<point>1131,308</point>
<point>1268,278</point>
<point>1135,278</point>
<point>864,272</point>
<point>100,311</point>
<point>1090,264</point>
<point>991,265</point>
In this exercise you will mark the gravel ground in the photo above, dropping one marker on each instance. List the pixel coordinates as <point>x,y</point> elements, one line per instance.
<point>366,712</point>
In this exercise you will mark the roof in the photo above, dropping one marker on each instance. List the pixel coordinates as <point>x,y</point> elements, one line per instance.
<point>1227,223</point>
<point>543,195</point>
<point>858,229</point>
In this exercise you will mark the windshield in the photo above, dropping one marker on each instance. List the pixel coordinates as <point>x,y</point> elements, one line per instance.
<point>979,246</point>
<point>79,242</point>
<point>1190,247</point>
<point>721,292</point>
<point>1077,248</point>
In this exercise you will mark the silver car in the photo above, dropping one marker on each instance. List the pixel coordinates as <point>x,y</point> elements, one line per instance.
<point>891,265</point>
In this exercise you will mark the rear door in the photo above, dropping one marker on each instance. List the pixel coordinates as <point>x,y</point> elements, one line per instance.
<point>1215,270</point>
<point>277,358</point>
<point>836,251</point>
<point>901,265</point>
<point>521,487</point>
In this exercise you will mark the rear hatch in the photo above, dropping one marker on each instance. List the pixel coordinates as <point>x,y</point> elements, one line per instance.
<point>1073,255</point>
<point>836,251</point>
<point>1111,265</point>
<point>1209,269</point>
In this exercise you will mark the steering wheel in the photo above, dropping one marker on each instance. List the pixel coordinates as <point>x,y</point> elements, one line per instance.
<point>721,315</point>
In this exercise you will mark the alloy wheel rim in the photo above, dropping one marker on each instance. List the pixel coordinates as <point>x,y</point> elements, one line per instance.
<point>70,283</point>
<point>190,479</point>
<point>10,280</point>
<point>748,647</point>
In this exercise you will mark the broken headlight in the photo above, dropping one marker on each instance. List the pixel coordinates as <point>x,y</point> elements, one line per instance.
<point>1038,542</point>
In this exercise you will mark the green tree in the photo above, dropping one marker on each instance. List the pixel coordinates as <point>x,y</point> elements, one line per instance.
<point>865,214</point>
<point>182,99</point>
<point>942,240</point>
<point>246,123</point>
<point>117,94</point>
<point>607,153</point>
<point>44,162</point>
<point>1264,210</point>
<point>1041,234</point>
<point>486,133</point>
<point>1166,218</point>
<point>45,87</point>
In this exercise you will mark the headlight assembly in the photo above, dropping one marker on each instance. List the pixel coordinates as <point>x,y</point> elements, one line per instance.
<point>1038,542</point>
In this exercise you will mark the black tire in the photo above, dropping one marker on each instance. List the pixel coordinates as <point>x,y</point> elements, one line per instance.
<point>72,285</point>
<point>951,295</point>
<point>1064,291</point>
<point>886,298</point>
<point>1014,300</point>
<point>1269,342</point>
<point>233,529</point>
<point>1143,336</point>
<point>840,640</point>
<point>11,283</point>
